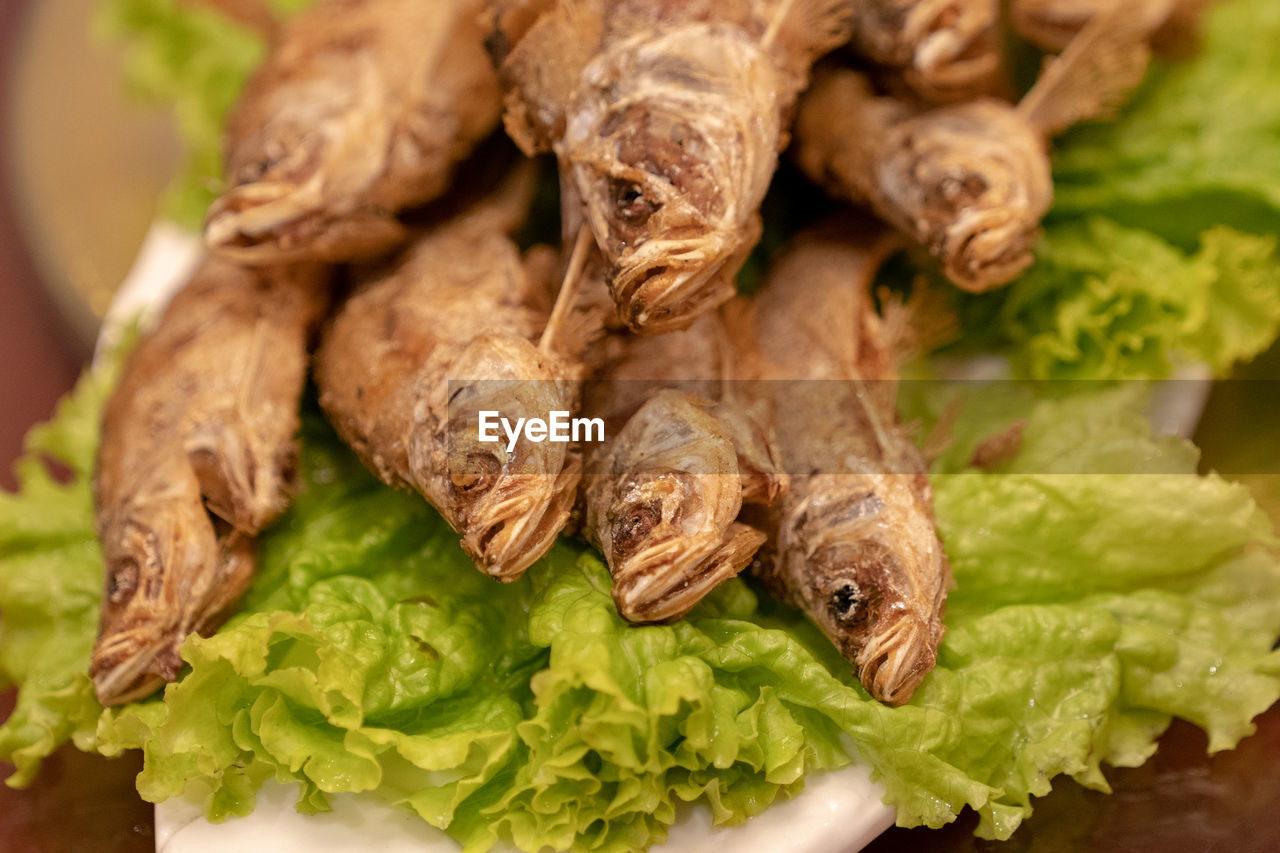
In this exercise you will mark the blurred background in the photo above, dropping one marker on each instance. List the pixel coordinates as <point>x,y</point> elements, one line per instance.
<point>81,170</point>
<point>82,166</point>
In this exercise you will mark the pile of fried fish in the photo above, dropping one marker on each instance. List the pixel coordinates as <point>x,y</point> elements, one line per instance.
<point>744,432</point>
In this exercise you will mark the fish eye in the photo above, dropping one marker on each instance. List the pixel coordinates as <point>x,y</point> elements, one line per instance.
<point>123,582</point>
<point>955,191</point>
<point>847,603</point>
<point>634,525</point>
<point>630,204</point>
<point>477,474</point>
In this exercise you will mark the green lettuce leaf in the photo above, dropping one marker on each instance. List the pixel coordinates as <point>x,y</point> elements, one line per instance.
<point>1107,301</point>
<point>1091,608</point>
<point>1160,247</point>
<point>51,583</point>
<point>1198,146</point>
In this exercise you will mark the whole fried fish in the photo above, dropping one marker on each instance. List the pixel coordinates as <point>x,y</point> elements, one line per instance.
<point>664,494</point>
<point>449,329</point>
<point>947,50</point>
<point>969,182</point>
<point>362,108</point>
<point>197,456</point>
<point>667,119</point>
<point>855,545</point>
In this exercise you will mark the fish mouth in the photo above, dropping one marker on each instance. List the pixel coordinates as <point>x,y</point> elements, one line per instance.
<point>989,249</point>
<point>283,221</point>
<point>663,582</point>
<point>515,524</point>
<point>124,670</point>
<point>953,42</point>
<point>671,285</point>
<point>252,216</point>
<point>895,661</point>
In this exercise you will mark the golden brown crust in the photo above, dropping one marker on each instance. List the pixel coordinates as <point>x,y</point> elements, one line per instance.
<point>664,494</point>
<point>855,543</point>
<point>970,182</point>
<point>947,51</point>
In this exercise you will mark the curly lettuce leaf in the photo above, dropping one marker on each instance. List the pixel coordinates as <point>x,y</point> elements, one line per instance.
<point>51,582</point>
<point>1090,609</point>
<point>1198,146</point>
<point>1107,301</point>
<point>1160,247</point>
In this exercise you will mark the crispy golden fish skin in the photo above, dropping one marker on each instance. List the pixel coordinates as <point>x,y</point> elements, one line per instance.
<point>666,119</point>
<point>947,50</point>
<point>424,345</point>
<point>362,108</point>
<point>969,182</point>
<point>198,455</point>
<point>856,546</point>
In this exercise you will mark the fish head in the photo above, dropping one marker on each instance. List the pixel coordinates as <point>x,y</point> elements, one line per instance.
<point>303,161</point>
<point>509,500</point>
<point>670,164</point>
<point>657,527</point>
<point>169,573</point>
<point>865,574</point>
<point>972,183</point>
<point>664,507</point>
<point>890,644</point>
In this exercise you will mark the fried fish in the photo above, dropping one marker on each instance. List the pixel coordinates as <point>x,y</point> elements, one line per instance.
<point>428,341</point>
<point>855,545</point>
<point>946,50</point>
<point>667,119</point>
<point>361,109</point>
<point>968,182</point>
<point>664,494</point>
<point>197,456</point>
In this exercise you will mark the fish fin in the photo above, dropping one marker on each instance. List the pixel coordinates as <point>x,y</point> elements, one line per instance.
<point>999,448</point>
<point>1094,75</point>
<point>544,68</point>
<point>763,480</point>
<point>799,31</point>
<point>941,435</point>
<point>918,324</point>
